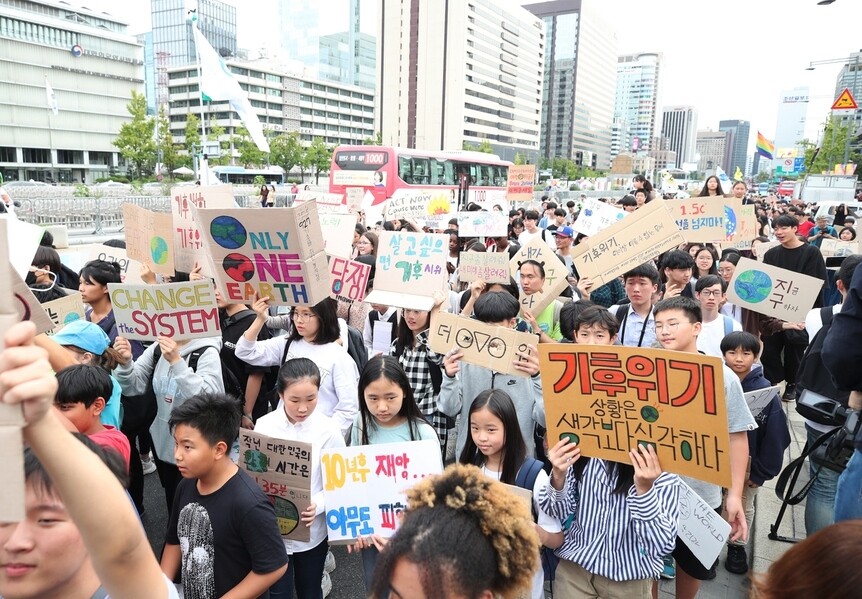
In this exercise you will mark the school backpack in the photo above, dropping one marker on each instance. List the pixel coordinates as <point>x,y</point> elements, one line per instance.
<point>526,479</point>
<point>813,376</point>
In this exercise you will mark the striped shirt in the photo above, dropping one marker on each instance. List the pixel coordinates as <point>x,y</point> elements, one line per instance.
<point>619,536</point>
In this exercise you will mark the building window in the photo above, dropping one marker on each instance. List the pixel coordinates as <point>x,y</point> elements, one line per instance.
<point>8,154</point>
<point>37,155</point>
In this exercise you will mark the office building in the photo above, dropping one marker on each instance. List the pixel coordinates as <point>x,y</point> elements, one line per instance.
<point>579,81</point>
<point>173,41</point>
<point>635,108</point>
<point>792,120</point>
<point>716,150</point>
<point>739,144</point>
<point>679,126</point>
<point>150,73</point>
<point>91,64</point>
<point>456,72</point>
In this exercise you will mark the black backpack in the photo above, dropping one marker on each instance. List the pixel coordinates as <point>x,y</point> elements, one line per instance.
<point>526,479</point>
<point>813,376</point>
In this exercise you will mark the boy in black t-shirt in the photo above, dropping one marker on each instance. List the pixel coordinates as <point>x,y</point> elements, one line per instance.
<point>222,528</point>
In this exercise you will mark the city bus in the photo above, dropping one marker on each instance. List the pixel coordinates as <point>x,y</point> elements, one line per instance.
<point>273,175</point>
<point>382,170</point>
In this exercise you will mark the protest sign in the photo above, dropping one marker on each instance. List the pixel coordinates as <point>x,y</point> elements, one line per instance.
<point>149,238</point>
<point>519,186</point>
<point>482,344</point>
<point>758,400</point>
<point>596,216</point>
<point>64,310</point>
<point>773,291</point>
<point>130,270</point>
<point>419,203</point>
<point>326,202</point>
<point>188,242</point>
<point>337,232</point>
<point>354,197</point>
<point>382,342</point>
<point>25,240</point>
<point>836,247</point>
<point>410,268</point>
<point>11,416</point>
<point>349,279</point>
<point>701,528</point>
<point>761,247</point>
<point>699,219</point>
<point>491,267</point>
<point>365,485</point>
<point>176,310</point>
<point>28,306</point>
<point>639,237</point>
<point>282,469</point>
<point>555,275</point>
<point>609,399</point>
<point>741,222</point>
<point>483,224</point>
<point>275,253</point>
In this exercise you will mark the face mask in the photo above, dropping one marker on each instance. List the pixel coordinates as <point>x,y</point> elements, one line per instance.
<point>30,279</point>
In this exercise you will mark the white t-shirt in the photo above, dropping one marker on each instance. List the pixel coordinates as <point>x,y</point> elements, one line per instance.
<point>526,237</point>
<point>709,340</point>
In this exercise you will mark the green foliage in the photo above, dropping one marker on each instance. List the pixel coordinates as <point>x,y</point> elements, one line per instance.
<point>249,154</point>
<point>286,151</point>
<point>81,191</point>
<point>377,140</point>
<point>170,157</point>
<point>135,139</point>
<point>564,168</point>
<point>259,181</point>
<point>831,150</point>
<point>484,147</point>
<point>519,159</point>
<point>318,158</point>
<point>215,133</point>
<point>193,133</point>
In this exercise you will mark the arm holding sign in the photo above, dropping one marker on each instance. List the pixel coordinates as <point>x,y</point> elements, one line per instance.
<point>559,497</point>
<point>134,376</point>
<point>259,353</point>
<point>449,401</point>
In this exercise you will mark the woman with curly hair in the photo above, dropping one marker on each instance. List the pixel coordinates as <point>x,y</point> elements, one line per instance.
<point>461,508</point>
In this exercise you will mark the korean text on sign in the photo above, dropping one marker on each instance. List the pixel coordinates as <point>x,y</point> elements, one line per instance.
<point>410,268</point>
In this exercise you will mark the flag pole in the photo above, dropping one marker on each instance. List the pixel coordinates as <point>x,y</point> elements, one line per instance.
<point>51,135</point>
<point>193,18</point>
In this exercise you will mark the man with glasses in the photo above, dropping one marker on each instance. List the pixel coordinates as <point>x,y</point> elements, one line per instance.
<point>710,294</point>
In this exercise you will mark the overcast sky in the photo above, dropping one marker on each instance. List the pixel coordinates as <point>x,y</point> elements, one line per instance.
<point>729,58</point>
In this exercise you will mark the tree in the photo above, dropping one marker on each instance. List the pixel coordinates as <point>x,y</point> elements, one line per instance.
<point>484,147</point>
<point>170,158</point>
<point>831,150</point>
<point>215,133</point>
<point>519,159</point>
<point>135,139</point>
<point>286,151</point>
<point>377,140</point>
<point>249,154</point>
<point>193,133</point>
<point>318,158</point>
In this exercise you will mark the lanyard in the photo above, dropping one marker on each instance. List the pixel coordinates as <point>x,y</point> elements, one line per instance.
<point>643,328</point>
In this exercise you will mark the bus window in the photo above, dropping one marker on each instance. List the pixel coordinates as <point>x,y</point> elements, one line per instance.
<point>421,171</point>
<point>474,173</point>
<point>405,169</point>
<point>501,176</point>
<point>484,175</point>
<point>442,173</point>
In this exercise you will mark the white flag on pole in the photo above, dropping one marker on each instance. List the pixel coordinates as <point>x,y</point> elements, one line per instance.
<point>726,183</point>
<point>217,83</point>
<point>50,97</point>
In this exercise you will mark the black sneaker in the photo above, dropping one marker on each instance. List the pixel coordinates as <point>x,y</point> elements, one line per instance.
<point>711,574</point>
<point>789,393</point>
<point>737,559</point>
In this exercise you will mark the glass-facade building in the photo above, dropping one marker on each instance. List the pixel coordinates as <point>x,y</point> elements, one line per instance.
<point>636,103</point>
<point>172,34</point>
<point>741,131</point>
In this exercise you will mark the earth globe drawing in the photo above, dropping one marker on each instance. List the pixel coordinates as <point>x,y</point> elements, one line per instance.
<point>238,267</point>
<point>753,286</point>
<point>729,220</point>
<point>228,232</point>
<point>159,250</point>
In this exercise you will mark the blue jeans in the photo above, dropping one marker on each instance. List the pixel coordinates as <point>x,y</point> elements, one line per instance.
<point>305,571</point>
<point>848,499</point>
<point>369,562</point>
<point>820,502</point>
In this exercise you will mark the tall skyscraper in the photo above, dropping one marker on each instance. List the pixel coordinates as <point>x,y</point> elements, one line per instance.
<point>741,132</point>
<point>636,101</point>
<point>579,81</point>
<point>679,126</point>
<point>173,42</point>
<point>715,149</point>
<point>452,72</point>
<point>791,121</point>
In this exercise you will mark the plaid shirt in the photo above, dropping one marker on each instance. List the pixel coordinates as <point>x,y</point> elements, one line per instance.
<point>415,360</point>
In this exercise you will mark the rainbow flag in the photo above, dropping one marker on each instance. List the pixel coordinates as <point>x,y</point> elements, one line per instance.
<point>765,147</point>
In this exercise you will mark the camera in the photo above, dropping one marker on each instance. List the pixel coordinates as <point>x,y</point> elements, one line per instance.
<point>824,410</point>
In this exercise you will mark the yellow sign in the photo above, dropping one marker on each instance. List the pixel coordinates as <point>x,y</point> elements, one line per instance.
<point>845,101</point>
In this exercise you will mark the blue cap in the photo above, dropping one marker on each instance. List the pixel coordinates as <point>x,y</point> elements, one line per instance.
<point>565,232</point>
<point>85,335</point>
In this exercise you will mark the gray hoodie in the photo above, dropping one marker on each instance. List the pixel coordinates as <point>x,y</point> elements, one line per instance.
<point>172,384</point>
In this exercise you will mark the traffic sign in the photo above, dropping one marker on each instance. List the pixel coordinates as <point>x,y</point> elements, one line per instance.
<point>845,101</point>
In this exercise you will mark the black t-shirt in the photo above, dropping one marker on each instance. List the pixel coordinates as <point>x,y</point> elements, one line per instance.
<point>805,259</point>
<point>226,534</point>
<point>233,328</point>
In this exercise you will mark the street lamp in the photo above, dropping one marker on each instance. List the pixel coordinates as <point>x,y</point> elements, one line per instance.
<point>855,61</point>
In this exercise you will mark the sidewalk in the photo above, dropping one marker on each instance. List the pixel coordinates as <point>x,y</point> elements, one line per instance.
<point>761,550</point>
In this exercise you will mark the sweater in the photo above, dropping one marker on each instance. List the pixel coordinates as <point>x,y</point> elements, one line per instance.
<point>766,443</point>
<point>805,259</point>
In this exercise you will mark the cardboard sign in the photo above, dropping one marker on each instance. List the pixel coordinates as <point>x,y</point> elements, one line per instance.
<point>595,216</point>
<point>758,400</point>
<point>419,203</point>
<point>27,306</point>
<point>699,219</point>
<point>176,310</point>
<point>410,268</point>
<point>703,530</point>
<point>24,241</point>
<point>149,238</point>
<point>65,310</point>
<point>188,242</point>
<point>519,185</point>
<point>773,291</point>
<point>555,275</point>
<point>610,398</point>
<point>338,232</point>
<point>331,202</point>
<point>483,224</point>
<point>741,223</point>
<point>282,469</point>
<point>760,248</point>
<point>365,485</point>
<point>354,197</point>
<point>481,344</point>
<point>382,341</point>
<point>349,279</point>
<point>836,247</point>
<point>130,270</point>
<point>491,267</point>
<point>639,237</point>
<point>275,253</point>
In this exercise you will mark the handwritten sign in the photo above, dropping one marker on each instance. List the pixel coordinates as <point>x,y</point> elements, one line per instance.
<point>699,219</point>
<point>149,238</point>
<point>275,253</point>
<point>761,247</point>
<point>419,203</point>
<point>176,310</point>
<point>491,267</point>
<point>836,247</point>
<point>26,238</point>
<point>282,469</point>
<point>483,224</point>
<point>410,268</point>
<point>758,400</point>
<point>741,222</point>
<point>349,278</point>
<point>337,232</point>
<point>130,270</point>
<point>639,237</point>
<point>773,291</point>
<point>64,310</point>
<point>555,275</point>
<point>365,485</point>
<point>519,185</point>
<point>188,242</point>
<point>596,216</point>
<point>28,306</point>
<point>701,528</point>
<point>326,202</point>
<point>609,399</point>
<point>481,344</point>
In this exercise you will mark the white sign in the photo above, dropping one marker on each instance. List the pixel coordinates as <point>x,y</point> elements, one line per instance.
<point>595,216</point>
<point>382,341</point>
<point>177,310</point>
<point>482,224</point>
<point>701,528</point>
<point>758,400</point>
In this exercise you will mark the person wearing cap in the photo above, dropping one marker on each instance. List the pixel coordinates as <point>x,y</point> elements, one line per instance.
<point>564,238</point>
<point>607,295</point>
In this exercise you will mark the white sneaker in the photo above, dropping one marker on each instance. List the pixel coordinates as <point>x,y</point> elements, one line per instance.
<point>326,584</point>
<point>148,464</point>
<point>329,564</point>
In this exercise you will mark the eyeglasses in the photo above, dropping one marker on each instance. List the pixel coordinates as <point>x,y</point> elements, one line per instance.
<point>303,317</point>
<point>670,326</point>
<point>710,293</point>
<point>725,270</point>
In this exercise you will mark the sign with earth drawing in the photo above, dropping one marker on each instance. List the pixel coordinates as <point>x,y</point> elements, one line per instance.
<point>609,399</point>
<point>149,238</point>
<point>773,291</point>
